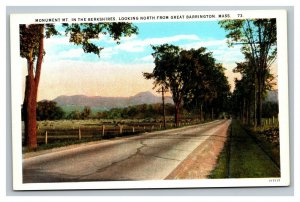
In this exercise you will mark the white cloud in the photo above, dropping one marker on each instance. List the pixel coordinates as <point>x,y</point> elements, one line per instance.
<point>107,53</point>
<point>225,54</point>
<point>56,41</point>
<point>129,38</point>
<point>139,45</point>
<point>206,43</point>
<point>170,39</point>
<point>101,38</point>
<point>73,53</point>
<point>146,59</point>
<point>128,44</point>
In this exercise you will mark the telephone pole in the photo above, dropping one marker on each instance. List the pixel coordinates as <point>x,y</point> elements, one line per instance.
<point>162,91</point>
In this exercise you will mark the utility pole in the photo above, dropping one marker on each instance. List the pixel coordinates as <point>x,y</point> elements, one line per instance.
<point>162,91</point>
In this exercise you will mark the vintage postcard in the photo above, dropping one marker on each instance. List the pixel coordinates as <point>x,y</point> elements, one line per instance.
<point>150,100</point>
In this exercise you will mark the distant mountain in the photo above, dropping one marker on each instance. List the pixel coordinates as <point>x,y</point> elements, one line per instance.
<point>110,102</point>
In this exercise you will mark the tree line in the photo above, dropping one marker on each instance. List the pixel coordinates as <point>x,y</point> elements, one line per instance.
<point>258,41</point>
<point>49,110</point>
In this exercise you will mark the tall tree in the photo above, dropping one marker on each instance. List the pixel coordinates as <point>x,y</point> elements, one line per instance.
<point>258,38</point>
<point>245,91</point>
<point>32,49</point>
<point>208,85</point>
<point>192,76</point>
<point>221,88</point>
<point>169,73</point>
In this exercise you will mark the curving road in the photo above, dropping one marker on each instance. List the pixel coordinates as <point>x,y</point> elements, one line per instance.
<point>149,156</point>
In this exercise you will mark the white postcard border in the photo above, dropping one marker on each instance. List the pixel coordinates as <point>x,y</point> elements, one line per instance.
<point>16,73</point>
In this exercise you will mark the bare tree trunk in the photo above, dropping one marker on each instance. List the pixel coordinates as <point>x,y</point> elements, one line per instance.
<point>30,114</point>
<point>244,111</point>
<point>176,115</point>
<point>255,105</point>
<point>31,90</point>
<point>259,102</point>
<point>201,113</point>
<point>249,113</point>
<point>259,109</point>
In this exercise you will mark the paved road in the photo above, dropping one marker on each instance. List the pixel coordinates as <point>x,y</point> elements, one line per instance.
<point>149,156</point>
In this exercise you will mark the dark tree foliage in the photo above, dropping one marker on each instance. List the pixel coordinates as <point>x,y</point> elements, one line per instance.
<point>80,34</point>
<point>242,99</point>
<point>86,112</point>
<point>194,78</point>
<point>208,90</point>
<point>74,115</point>
<point>169,74</point>
<point>48,110</point>
<point>137,112</point>
<point>244,102</point>
<point>270,109</point>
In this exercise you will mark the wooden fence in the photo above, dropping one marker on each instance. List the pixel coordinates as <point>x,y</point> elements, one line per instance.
<point>48,135</point>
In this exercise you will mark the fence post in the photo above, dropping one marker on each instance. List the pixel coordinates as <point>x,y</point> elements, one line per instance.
<point>152,128</point>
<point>144,128</point>
<point>79,134</point>
<point>46,137</point>
<point>103,130</point>
<point>133,129</point>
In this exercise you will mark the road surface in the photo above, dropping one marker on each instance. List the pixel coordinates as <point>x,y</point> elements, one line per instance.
<point>150,156</point>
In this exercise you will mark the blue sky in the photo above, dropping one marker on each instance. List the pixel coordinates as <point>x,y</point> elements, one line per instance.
<point>67,70</point>
<point>137,48</point>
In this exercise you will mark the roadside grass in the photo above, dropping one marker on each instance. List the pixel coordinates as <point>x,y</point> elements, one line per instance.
<point>242,157</point>
<point>220,170</point>
<point>268,138</point>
